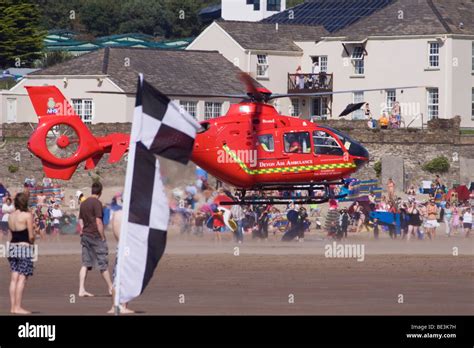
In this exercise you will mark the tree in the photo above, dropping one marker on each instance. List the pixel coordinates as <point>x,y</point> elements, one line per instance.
<point>101,17</point>
<point>53,58</point>
<point>142,16</point>
<point>21,37</point>
<point>169,18</point>
<point>59,14</point>
<point>181,17</point>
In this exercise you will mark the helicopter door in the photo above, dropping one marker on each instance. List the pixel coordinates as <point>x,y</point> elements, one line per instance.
<point>326,145</point>
<point>266,146</point>
<point>297,143</point>
<point>265,150</point>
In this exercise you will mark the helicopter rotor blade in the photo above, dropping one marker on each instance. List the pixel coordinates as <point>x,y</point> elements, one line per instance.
<point>233,96</point>
<point>245,78</point>
<point>317,94</point>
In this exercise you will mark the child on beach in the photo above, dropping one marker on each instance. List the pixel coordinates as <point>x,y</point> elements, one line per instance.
<point>455,219</point>
<point>217,224</point>
<point>199,220</point>
<point>467,221</point>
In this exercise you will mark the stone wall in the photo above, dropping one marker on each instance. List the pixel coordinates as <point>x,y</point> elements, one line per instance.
<point>23,130</point>
<point>415,146</point>
<point>18,163</point>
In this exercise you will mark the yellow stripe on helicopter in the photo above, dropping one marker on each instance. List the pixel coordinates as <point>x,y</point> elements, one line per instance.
<point>246,169</point>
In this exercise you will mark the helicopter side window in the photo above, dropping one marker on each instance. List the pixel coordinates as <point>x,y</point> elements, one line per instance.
<point>266,142</point>
<point>297,142</point>
<point>325,144</point>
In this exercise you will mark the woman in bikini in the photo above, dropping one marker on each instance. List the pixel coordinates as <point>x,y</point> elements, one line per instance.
<point>414,220</point>
<point>20,223</point>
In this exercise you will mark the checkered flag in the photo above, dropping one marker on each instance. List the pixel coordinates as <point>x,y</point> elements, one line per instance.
<point>160,127</point>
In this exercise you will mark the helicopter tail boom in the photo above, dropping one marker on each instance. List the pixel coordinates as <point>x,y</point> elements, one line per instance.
<point>58,172</point>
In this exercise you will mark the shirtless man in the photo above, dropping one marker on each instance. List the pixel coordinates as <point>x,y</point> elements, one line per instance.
<point>116,224</point>
<point>391,189</point>
<point>41,199</point>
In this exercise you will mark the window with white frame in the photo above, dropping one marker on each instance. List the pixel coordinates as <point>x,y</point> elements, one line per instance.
<point>472,54</point>
<point>391,98</point>
<point>472,105</point>
<point>357,58</point>
<point>84,109</point>
<point>273,5</point>
<point>433,103</point>
<point>262,65</point>
<point>319,107</point>
<point>295,107</point>
<point>358,97</point>
<point>321,62</point>
<point>190,107</point>
<point>212,110</point>
<point>433,54</point>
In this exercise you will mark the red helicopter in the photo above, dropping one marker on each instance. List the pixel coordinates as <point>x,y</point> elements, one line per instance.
<point>62,140</point>
<point>253,148</point>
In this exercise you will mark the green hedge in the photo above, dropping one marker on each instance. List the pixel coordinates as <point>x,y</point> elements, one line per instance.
<point>378,168</point>
<point>439,164</point>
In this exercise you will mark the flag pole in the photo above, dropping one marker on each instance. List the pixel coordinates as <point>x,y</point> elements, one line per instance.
<point>122,247</point>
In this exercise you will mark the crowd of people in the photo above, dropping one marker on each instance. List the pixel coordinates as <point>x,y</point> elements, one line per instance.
<point>22,224</point>
<point>408,218</point>
<point>194,211</point>
<point>46,211</point>
<point>391,118</point>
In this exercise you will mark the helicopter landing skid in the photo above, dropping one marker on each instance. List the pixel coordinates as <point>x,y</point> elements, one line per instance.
<point>259,198</point>
<point>280,200</point>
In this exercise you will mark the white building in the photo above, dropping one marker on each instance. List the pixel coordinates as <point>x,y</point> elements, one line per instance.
<point>250,10</point>
<point>395,43</point>
<point>102,84</point>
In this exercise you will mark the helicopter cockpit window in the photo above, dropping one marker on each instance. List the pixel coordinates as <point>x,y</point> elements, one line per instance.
<point>325,144</point>
<point>297,142</point>
<point>266,142</point>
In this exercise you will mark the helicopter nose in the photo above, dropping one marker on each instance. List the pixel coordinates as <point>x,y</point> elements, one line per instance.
<point>360,153</point>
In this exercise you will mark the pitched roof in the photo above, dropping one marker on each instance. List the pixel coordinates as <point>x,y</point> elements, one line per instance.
<point>455,12</point>
<point>333,15</point>
<point>423,17</point>
<point>362,18</point>
<point>268,36</point>
<point>140,36</point>
<point>173,72</point>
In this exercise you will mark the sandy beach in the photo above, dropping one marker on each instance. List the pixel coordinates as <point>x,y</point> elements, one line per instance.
<point>267,278</point>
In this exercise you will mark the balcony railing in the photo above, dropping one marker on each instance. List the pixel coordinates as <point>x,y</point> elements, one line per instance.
<point>309,83</point>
